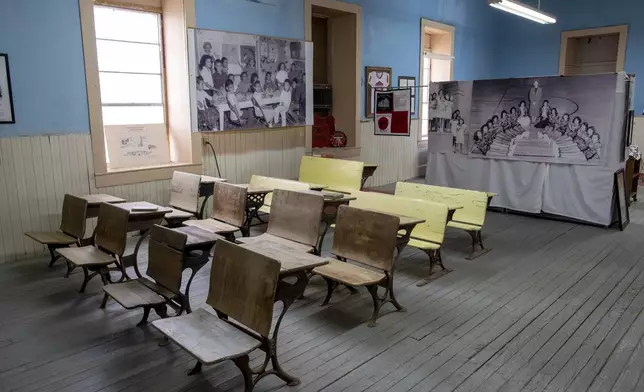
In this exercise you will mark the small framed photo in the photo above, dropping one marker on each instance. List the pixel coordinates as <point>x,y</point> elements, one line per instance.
<point>410,83</point>
<point>622,199</point>
<point>6,97</point>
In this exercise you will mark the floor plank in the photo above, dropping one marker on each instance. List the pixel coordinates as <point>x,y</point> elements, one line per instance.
<point>554,306</point>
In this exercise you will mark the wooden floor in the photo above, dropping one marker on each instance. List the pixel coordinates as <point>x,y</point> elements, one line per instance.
<point>554,306</point>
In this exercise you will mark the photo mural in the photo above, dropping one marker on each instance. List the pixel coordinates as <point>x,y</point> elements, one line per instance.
<point>449,108</point>
<point>542,119</point>
<point>242,81</point>
<point>550,119</point>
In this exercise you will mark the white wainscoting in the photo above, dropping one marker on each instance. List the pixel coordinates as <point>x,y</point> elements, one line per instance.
<point>36,172</point>
<point>398,157</point>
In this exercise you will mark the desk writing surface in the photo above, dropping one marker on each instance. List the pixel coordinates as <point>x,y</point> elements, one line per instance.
<point>290,260</point>
<point>98,198</point>
<point>404,220</point>
<point>151,209</point>
<point>255,190</point>
<point>370,165</point>
<point>258,191</point>
<point>212,180</point>
<point>197,236</point>
<point>317,187</point>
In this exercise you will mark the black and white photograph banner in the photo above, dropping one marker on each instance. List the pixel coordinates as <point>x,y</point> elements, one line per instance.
<point>449,106</point>
<point>544,119</point>
<point>242,81</point>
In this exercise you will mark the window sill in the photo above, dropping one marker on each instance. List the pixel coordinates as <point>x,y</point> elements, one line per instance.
<point>143,174</point>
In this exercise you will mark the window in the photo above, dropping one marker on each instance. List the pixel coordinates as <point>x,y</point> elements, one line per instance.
<point>130,55</point>
<point>136,62</point>
<point>437,63</point>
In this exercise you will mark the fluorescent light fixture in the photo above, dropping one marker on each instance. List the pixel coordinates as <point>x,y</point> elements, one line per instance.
<point>523,10</point>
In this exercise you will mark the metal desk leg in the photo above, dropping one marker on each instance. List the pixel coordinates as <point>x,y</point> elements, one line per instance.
<point>287,293</point>
<point>203,207</point>
<point>318,247</point>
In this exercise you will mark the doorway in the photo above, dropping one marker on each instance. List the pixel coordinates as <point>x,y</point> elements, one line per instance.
<point>334,27</point>
<point>437,63</point>
<point>593,51</point>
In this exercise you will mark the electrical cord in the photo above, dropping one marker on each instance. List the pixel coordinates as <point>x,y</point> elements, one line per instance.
<point>215,155</point>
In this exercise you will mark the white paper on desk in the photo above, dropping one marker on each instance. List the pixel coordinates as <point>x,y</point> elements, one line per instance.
<point>137,145</point>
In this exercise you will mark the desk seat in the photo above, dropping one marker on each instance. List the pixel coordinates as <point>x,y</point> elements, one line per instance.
<point>86,256</point>
<point>138,293</point>
<point>470,218</point>
<point>206,337</point>
<point>213,226</point>
<point>281,242</point>
<point>349,274</point>
<point>53,238</point>
<point>423,245</point>
<point>464,226</point>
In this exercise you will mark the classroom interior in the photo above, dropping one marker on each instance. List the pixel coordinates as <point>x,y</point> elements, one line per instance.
<point>161,222</point>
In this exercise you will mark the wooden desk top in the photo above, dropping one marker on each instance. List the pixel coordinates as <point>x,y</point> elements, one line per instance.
<point>256,190</point>
<point>198,236</point>
<point>317,187</point>
<point>371,165</point>
<point>404,220</point>
<point>150,209</point>
<point>290,261</point>
<point>491,194</point>
<point>98,198</point>
<point>341,200</point>
<point>212,180</point>
<point>454,207</point>
<point>330,197</point>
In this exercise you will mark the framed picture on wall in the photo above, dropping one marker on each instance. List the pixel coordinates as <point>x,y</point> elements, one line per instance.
<point>622,199</point>
<point>6,97</point>
<point>375,78</point>
<point>410,83</point>
<point>242,81</point>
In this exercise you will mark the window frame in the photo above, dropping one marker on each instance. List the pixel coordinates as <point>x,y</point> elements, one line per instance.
<point>176,16</point>
<point>426,23</point>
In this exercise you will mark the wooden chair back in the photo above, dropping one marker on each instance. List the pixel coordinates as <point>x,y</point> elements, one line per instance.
<point>337,174</point>
<point>111,228</point>
<point>434,214</point>
<point>74,216</point>
<point>276,183</point>
<point>368,237</point>
<point>474,202</point>
<point>165,257</point>
<point>296,216</point>
<point>243,285</point>
<point>229,203</point>
<point>184,192</point>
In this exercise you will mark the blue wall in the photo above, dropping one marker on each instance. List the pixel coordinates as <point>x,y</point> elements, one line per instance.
<point>390,29</point>
<point>43,41</point>
<point>526,48</point>
<point>284,19</point>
